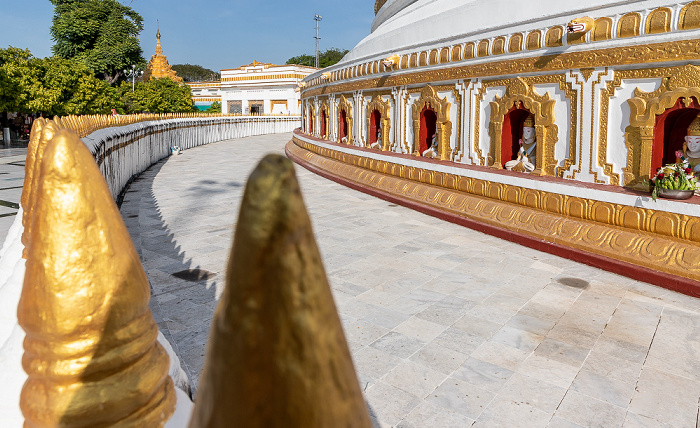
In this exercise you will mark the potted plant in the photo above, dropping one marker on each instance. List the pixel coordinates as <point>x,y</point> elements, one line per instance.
<point>674,181</point>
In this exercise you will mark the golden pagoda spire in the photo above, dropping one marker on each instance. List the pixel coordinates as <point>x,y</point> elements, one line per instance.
<point>159,48</point>
<point>277,355</point>
<point>158,67</point>
<point>91,353</point>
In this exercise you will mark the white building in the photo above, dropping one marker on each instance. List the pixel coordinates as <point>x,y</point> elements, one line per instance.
<point>256,88</point>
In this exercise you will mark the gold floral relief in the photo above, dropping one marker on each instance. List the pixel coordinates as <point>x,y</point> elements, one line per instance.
<point>515,44</point>
<point>659,21</point>
<point>534,40</point>
<point>384,109</point>
<point>430,98</point>
<point>689,18</point>
<point>629,25</point>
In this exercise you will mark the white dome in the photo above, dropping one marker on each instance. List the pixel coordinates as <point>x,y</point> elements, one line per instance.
<point>402,25</point>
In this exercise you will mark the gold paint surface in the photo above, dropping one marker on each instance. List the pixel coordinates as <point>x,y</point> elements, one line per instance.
<point>591,225</point>
<point>277,355</point>
<point>91,353</point>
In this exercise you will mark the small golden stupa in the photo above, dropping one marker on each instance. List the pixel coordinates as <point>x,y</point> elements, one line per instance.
<point>158,67</point>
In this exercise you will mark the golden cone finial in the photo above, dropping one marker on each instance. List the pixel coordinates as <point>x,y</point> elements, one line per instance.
<point>694,128</point>
<point>277,355</point>
<point>90,349</point>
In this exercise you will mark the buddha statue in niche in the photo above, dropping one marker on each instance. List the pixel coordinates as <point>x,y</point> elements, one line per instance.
<point>526,160</point>
<point>377,144</point>
<point>432,151</point>
<point>691,146</point>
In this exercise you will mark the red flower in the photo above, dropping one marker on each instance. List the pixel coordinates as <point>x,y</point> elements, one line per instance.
<point>687,170</point>
<point>661,175</point>
<point>676,174</point>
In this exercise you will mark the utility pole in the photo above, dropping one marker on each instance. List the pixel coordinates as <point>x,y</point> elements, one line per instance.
<point>318,19</point>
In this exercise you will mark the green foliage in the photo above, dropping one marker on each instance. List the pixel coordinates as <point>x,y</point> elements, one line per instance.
<point>52,86</point>
<point>195,73</point>
<point>157,96</point>
<point>215,107</point>
<point>101,34</point>
<point>325,59</point>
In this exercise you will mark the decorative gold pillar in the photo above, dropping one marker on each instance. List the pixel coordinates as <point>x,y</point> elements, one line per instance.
<point>277,355</point>
<point>91,353</point>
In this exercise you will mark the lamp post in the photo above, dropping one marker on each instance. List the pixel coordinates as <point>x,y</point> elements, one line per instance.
<point>317,18</point>
<point>132,74</point>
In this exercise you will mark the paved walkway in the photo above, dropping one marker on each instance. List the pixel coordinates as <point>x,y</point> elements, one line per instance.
<point>448,327</point>
<point>11,181</point>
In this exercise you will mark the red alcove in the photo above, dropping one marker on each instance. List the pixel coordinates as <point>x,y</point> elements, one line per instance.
<point>669,133</point>
<point>374,119</point>
<point>428,126</point>
<point>512,132</point>
<point>342,125</point>
<point>323,122</point>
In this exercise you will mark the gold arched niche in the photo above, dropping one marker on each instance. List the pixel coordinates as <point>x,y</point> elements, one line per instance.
<point>499,46</point>
<point>345,106</point>
<point>430,98</point>
<point>423,59</point>
<point>629,24</point>
<point>689,18</point>
<point>483,49</point>
<point>683,84</point>
<point>384,109</point>
<point>469,50</point>
<point>602,29</point>
<point>324,109</point>
<point>457,53</point>
<point>659,21</point>
<point>534,40</point>
<point>554,37</point>
<point>521,93</point>
<point>515,44</point>
<point>433,58</point>
<point>444,55</point>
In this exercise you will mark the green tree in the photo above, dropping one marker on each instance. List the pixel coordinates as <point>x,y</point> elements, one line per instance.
<point>215,107</point>
<point>101,34</point>
<point>195,73</point>
<point>51,86</point>
<point>325,59</point>
<point>157,96</point>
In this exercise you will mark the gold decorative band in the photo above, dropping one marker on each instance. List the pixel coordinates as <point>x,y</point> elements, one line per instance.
<point>658,240</point>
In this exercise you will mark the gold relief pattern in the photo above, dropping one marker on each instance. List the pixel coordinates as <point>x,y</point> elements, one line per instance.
<point>659,21</point>
<point>628,26</point>
<point>554,37</point>
<point>515,44</point>
<point>681,50</point>
<point>519,92</point>
<point>690,16</point>
<point>384,109</point>
<point>499,46</point>
<point>483,48</point>
<point>659,240</point>
<point>345,106</point>
<point>430,98</point>
<point>534,40</point>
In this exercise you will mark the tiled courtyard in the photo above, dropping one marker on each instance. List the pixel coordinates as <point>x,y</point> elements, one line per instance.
<point>448,327</point>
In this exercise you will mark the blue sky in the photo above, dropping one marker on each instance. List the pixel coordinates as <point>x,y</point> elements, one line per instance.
<point>216,34</point>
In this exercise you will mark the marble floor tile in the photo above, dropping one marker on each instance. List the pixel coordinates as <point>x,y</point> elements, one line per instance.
<point>398,344</point>
<point>590,412</point>
<point>482,374</point>
<point>503,412</point>
<point>390,404</point>
<point>533,392</point>
<point>427,414</point>
<point>461,397</point>
<point>666,397</point>
<point>414,378</point>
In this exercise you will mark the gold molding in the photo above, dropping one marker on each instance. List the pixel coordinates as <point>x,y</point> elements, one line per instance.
<point>628,25</point>
<point>679,50</point>
<point>344,105</point>
<point>384,108</point>
<point>689,18</point>
<point>659,240</point>
<point>520,93</point>
<point>430,98</point>
<point>659,21</point>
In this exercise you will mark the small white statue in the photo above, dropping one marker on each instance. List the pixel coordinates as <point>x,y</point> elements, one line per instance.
<point>432,151</point>
<point>377,144</point>
<point>691,147</point>
<point>527,155</point>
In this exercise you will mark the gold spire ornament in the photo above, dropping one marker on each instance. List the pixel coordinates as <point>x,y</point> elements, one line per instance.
<point>694,127</point>
<point>529,121</point>
<point>90,350</point>
<point>277,355</point>
<point>158,67</point>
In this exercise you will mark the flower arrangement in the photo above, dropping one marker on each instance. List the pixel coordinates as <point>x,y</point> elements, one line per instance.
<point>677,176</point>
